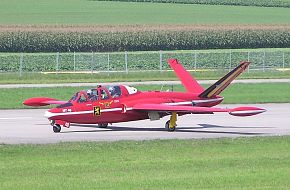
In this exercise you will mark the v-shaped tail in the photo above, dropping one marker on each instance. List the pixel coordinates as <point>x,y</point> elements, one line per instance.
<point>189,82</point>
<point>222,84</point>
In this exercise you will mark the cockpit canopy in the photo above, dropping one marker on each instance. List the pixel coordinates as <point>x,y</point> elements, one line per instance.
<point>103,93</point>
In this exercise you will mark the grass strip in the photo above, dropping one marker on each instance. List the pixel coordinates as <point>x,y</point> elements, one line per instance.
<point>38,78</point>
<point>241,163</point>
<point>237,93</point>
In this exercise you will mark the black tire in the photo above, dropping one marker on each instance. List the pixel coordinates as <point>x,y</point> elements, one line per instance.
<point>168,128</point>
<point>56,128</point>
<point>103,125</point>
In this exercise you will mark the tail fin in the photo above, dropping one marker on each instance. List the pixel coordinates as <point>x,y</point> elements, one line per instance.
<point>190,84</point>
<point>221,84</point>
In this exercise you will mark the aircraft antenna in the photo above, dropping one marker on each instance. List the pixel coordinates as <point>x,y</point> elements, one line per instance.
<point>162,87</point>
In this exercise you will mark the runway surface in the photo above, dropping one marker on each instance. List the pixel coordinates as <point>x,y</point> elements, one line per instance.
<point>30,127</point>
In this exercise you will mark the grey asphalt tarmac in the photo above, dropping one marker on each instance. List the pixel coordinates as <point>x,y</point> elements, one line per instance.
<point>28,126</point>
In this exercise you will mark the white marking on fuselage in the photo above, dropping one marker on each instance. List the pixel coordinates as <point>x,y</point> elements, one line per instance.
<point>112,109</point>
<point>207,101</point>
<point>179,103</point>
<point>49,114</point>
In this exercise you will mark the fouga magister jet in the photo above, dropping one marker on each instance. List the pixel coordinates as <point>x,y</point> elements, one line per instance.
<point>105,105</point>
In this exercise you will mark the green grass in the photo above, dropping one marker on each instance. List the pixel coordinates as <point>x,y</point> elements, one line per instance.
<point>241,163</point>
<point>36,78</point>
<point>96,12</point>
<point>237,93</point>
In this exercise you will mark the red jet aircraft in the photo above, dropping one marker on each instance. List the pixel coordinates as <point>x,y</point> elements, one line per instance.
<point>121,103</point>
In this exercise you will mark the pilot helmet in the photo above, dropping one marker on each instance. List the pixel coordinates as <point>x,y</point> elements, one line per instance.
<point>112,90</point>
<point>89,92</point>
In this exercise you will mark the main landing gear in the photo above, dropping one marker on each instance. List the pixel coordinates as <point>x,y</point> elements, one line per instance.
<point>103,125</point>
<point>171,124</point>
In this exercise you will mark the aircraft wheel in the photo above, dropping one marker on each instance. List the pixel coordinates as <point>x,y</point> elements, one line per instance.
<point>56,128</point>
<point>103,125</point>
<point>168,127</point>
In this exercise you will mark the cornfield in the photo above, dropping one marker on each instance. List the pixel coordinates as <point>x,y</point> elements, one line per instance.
<point>140,38</point>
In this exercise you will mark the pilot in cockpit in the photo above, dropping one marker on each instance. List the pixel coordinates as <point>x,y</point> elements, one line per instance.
<point>92,94</point>
<point>114,91</point>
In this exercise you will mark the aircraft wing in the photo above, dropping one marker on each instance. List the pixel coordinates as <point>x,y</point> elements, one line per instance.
<point>239,111</point>
<point>42,101</point>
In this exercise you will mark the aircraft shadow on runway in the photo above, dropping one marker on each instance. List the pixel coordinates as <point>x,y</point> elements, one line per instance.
<point>178,129</point>
<point>204,126</point>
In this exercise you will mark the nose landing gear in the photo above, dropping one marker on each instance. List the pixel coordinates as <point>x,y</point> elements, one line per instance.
<point>171,124</point>
<point>56,128</point>
<point>56,125</point>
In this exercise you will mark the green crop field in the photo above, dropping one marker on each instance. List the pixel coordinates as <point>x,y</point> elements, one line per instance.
<point>241,163</point>
<point>141,37</point>
<point>142,66</point>
<point>97,12</point>
<point>142,61</point>
<point>50,26</point>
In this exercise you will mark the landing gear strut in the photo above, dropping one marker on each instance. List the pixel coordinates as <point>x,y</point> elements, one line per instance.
<point>171,124</point>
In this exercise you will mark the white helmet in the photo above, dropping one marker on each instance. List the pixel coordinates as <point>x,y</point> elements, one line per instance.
<point>112,90</point>
<point>89,92</point>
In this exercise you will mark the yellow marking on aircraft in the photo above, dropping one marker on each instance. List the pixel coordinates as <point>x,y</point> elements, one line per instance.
<point>97,110</point>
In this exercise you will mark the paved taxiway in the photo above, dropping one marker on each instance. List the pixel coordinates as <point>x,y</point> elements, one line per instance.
<point>243,81</point>
<point>29,126</point>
